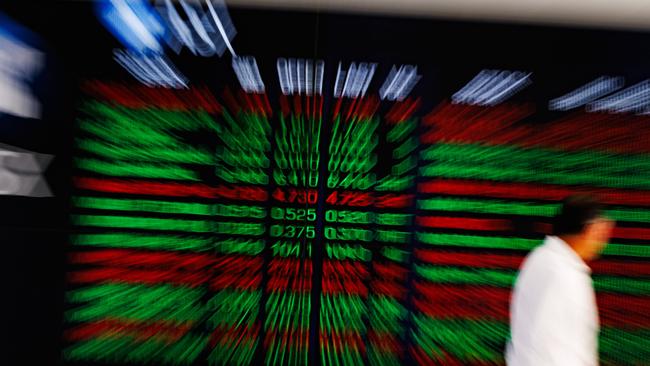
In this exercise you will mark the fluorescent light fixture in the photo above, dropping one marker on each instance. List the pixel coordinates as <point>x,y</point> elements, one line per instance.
<point>399,83</point>
<point>203,32</point>
<point>300,76</point>
<point>353,82</point>
<point>221,27</point>
<point>587,93</point>
<point>152,70</point>
<point>248,74</point>
<point>134,23</point>
<point>635,98</point>
<point>491,87</point>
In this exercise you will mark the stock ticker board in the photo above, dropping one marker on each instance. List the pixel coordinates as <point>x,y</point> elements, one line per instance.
<point>352,190</point>
<point>235,229</point>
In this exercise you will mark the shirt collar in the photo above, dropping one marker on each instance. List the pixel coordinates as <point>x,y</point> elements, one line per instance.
<point>560,247</point>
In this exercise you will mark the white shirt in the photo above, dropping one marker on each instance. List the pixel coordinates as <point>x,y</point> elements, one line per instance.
<point>553,313</point>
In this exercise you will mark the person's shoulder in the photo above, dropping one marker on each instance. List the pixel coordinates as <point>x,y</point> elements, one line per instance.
<point>543,264</point>
<point>540,255</point>
<point>555,270</point>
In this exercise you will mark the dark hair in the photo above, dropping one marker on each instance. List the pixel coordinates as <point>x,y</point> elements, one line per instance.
<point>576,211</point>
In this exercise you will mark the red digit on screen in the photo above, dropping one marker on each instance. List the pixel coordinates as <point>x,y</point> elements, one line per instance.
<point>279,195</point>
<point>332,198</point>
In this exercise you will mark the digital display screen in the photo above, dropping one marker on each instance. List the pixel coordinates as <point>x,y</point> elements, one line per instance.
<point>340,193</point>
<point>203,227</point>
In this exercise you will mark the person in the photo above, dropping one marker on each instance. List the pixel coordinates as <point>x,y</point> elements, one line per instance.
<point>553,312</point>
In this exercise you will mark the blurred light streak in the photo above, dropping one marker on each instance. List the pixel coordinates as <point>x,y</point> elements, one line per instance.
<point>151,70</point>
<point>530,191</point>
<point>142,97</point>
<point>137,169</point>
<point>239,279</point>
<point>464,223</point>
<point>233,345</point>
<point>491,206</point>
<point>143,127</point>
<point>156,302</point>
<point>20,62</point>
<point>120,349</point>
<point>141,258</point>
<point>484,302</point>
<point>544,158</point>
<point>438,338</point>
<point>603,266</point>
<point>631,233</point>
<point>220,25</point>
<point>514,243</point>
<point>399,83</point>
<point>635,98</point>
<point>134,23</point>
<point>156,154</point>
<point>586,93</point>
<point>127,327</point>
<point>450,170</point>
<point>353,82</point>
<point>151,223</point>
<point>502,207</point>
<point>146,276</point>
<point>248,74</point>
<point>21,172</point>
<point>200,27</point>
<point>199,35</point>
<point>360,109</point>
<point>461,123</point>
<point>402,111</point>
<point>170,189</point>
<point>344,277</point>
<point>301,76</point>
<point>506,278</point>
<point>474,241</point>
<point>158,323</point>
<point>145,241</point>
<point>491,87</point>
<point>469,302</point>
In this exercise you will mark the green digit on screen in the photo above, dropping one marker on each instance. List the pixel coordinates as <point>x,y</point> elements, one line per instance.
<point>280,179</point>
<point>330,215</point>
<point>314,161</point>
<point>334,162</point>
<point>333,180</point>
<point>393,219</point>
<point>277,213</point>
<point>276,230</point>
<point>290,214</point>
<point>313,179</point>
<point>311,232</point>
<point>330,233</point>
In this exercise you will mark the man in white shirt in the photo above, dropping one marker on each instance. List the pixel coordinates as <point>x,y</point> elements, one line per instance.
<point>553,313</point>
